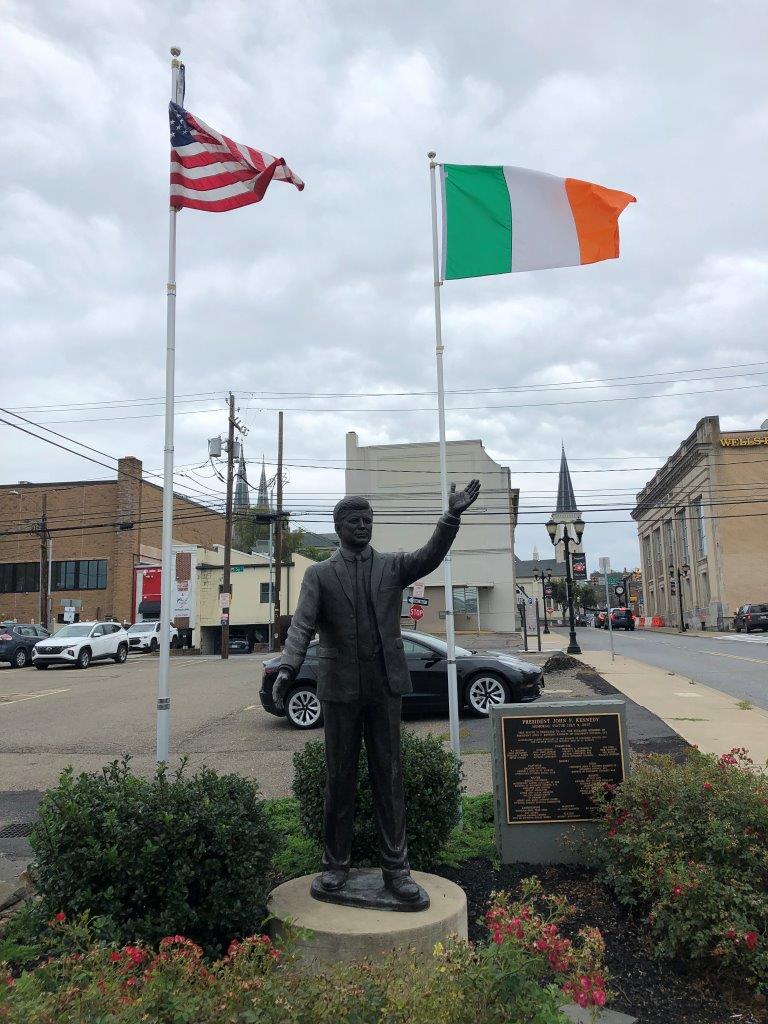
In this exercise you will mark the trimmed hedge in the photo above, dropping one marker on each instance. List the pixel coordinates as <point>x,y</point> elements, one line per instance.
<point>433,782</point>
<point>155,857</point>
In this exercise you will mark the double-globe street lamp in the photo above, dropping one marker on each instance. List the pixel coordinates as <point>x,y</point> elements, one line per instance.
<point>545,579</point>
<point>578,529</point>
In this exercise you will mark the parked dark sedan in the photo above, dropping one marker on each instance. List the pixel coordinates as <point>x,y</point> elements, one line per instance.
<point>751,616</point>
<point>621,618</point>
<point>485,678</point>
<point>17,640</point>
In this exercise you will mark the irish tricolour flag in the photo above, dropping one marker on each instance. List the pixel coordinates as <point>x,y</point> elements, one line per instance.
<point>498,220</point>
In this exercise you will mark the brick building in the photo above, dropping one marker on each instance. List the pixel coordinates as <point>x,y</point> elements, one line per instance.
<point>99,530</point>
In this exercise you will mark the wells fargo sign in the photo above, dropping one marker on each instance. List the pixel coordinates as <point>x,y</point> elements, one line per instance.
<point>743,442</point>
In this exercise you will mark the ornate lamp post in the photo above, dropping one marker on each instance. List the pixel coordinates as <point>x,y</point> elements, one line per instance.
<point>545,580</point>
<point>578,529</point>
<point>681,572</point>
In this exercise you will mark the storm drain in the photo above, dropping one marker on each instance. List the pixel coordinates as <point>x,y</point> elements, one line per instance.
<point>16,830</point>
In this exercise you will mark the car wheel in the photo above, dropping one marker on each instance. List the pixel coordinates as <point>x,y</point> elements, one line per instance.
<point>152,645</point>
<point>83,658</point>
<point>484,692</point>
<point>738,629</point>
<point>122,654</point>
<point>40,665</point>
<point>303,709</point>
<point>20,658</point>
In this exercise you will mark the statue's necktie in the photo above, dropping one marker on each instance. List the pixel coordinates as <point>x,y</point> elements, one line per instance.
<point>366,641</point>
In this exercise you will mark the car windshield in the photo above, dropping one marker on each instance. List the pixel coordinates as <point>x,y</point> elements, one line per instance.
<point>440,646</point>
<point>77,629</point>
<point>142,627</point>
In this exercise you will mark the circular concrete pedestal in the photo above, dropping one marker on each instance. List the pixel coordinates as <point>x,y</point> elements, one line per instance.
<point>354,933</point>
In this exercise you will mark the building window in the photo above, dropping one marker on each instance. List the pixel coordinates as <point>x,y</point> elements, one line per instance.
<point>669,541</point>
<point>264,593</point>
<point>704,581</point>
<point>701,537</point>
<point>465,600</point>
<point>682,525</point>
<point>20,578</point>
<point>80,574</point>
<point>658,559</point>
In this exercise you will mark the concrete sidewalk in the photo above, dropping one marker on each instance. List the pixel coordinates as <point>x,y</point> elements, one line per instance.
<point>702,715</point>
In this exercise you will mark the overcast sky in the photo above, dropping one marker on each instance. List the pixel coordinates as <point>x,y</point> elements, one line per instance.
<point>330,290</point>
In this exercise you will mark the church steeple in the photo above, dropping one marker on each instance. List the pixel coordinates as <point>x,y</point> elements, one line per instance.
<point>262,498</point>
<point>566,511</point>
<point>241,502</point>
<point>566,499</point>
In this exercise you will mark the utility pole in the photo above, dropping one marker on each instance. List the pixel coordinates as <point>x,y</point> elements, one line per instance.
<point>278,534</point>
<point>226,587</point>
<point>44,562</point>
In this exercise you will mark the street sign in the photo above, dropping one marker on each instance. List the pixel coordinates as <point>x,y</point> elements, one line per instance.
<point>416,612</point>
<point>418,600</point>
<point>237,568</point>
<point>605,564</point>
<point>69,614</point>
<point>225,618</point>
<point>547,591</point>
<point>418,590</point>
<point>225,600</point>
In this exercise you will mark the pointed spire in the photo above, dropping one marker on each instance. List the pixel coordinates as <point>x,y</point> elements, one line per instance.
<point>262,499</point>
<point>242,498</point>
<point>566,499</point>
<point>535,553</point>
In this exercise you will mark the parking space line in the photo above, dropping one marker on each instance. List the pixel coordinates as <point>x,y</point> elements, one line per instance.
<point>17,698</point>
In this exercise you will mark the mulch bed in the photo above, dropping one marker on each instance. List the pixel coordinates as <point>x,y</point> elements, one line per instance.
<point>655,991</point>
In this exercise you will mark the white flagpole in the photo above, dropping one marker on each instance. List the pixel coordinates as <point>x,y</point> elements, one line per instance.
<point>453,693</point>
<point>163,683</point>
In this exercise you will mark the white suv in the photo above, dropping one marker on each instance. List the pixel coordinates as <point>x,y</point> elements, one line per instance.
<point>81,643</point>
<point>145,636</point>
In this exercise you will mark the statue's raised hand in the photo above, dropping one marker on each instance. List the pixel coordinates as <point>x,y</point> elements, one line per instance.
<point>459,501</point>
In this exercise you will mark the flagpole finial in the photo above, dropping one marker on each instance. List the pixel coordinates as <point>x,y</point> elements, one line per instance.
<point>175,51</point>
<point>431,154</point>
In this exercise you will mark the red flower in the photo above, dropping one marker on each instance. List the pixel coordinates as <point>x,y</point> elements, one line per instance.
<point>114,957</point>
<point>750,940</point>
<point>731,934</point>
<point>677,890</point>
<point>707,786</point>
<point>61,917</point>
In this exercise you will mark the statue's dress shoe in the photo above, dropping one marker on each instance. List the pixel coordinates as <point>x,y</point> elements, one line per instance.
<point>404,887</point>
<point>332,881</point>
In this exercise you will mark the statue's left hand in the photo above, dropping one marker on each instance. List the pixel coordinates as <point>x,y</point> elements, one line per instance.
<point>459,501</point>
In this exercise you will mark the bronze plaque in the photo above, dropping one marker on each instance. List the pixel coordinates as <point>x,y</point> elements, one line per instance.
<point>552,763</point>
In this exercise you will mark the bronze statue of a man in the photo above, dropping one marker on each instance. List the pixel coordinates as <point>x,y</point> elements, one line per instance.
<point>354,602</point>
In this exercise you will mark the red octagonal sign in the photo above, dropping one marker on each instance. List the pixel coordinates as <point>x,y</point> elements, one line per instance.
<point>416,612</point>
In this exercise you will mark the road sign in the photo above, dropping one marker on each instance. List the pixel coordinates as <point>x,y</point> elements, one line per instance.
<point>237,568</point>
<point>418,589</point>
<point>225,618</point>
<point>416,612</point>
<point>418,600</point>
<point>547,591</point>
<point>69,614</point>
<point>605,564</point>
<point>225,600</point>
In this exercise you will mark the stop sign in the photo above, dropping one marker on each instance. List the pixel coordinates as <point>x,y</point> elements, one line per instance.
<point>416,612</point>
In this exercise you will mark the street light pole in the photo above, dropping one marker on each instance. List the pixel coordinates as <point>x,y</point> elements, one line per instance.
<point>578,529</point>
<point>545,581</point>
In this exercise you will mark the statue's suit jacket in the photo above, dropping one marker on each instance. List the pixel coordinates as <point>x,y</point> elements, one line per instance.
<point>326,606</point>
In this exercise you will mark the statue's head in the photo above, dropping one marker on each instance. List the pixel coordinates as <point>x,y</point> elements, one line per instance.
<point>353,522</point>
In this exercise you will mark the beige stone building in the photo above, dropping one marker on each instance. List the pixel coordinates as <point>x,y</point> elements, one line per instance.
<point>249,612</point>
<point>100,530</point>
<point>706,508</point>
<point>402,482</point>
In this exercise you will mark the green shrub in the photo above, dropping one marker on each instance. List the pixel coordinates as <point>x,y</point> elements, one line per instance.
<point>519,978</point>
<point>686,844</point>
<point>433,786</point>
<point>154,857</point>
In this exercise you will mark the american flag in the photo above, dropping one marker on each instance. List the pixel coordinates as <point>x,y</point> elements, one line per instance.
<point>211,172</point>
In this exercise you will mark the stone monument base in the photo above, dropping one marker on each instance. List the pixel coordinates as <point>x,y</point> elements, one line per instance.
<point>354,933</point>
